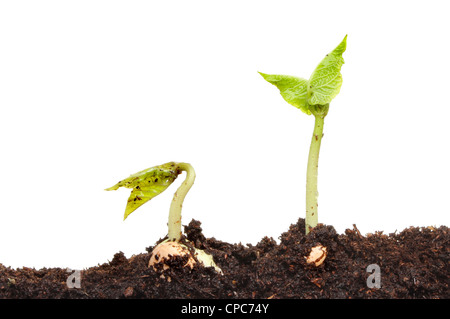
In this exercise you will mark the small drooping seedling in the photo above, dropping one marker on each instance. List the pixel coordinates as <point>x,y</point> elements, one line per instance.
<point>153,181</point>
<point>313,96</point>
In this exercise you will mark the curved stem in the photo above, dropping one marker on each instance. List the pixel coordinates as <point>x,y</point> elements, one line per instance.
<point>177,202</point>
<point>311,174</point>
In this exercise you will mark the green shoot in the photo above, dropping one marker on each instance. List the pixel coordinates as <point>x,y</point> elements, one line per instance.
<point>313,96</point>
<point>153,181</point>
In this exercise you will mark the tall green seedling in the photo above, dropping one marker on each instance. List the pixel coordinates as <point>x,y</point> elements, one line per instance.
<point>313,96</point>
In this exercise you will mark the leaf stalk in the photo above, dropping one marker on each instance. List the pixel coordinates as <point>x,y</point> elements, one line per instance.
<point>174,223</point>
<point>319,112</point>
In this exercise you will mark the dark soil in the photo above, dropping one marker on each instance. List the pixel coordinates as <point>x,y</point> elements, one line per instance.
<point>413,264</point>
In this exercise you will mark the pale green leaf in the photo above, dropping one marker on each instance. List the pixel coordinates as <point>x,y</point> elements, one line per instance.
<point>292,89</point>
<point>326,80</point>
<point>147,184</point>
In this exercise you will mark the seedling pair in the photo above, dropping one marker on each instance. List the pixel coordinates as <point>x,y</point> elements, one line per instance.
<point>311,96</point>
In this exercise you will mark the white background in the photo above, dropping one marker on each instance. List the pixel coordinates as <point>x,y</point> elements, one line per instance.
<point>93,91</point>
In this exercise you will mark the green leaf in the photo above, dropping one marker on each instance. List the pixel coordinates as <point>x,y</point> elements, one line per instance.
<point>147,184</point>
<point>292,89</point>
<point>326,80</point>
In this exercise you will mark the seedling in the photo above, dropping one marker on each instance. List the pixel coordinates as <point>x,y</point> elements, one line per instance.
<point>151,182</point>
<point>313,96</point>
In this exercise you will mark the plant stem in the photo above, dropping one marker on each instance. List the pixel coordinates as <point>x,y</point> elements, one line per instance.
<point>312,172</point>
<point>177,202</point>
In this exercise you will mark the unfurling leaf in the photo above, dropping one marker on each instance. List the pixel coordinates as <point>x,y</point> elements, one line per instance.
<point>326,80</point>
<point>147,184</point>
<point>292,89</point>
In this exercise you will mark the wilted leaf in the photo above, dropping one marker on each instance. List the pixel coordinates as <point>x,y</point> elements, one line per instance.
<point>147,184</point>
